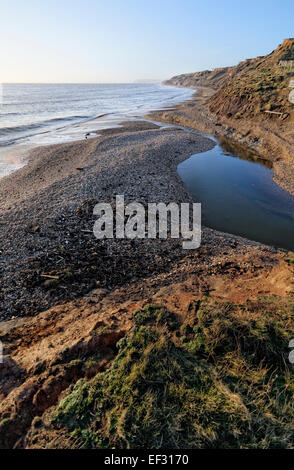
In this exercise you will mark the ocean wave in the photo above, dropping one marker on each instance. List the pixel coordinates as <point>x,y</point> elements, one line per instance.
<point>11,129</point>
<point>56,111</point>
<point>4,131</point>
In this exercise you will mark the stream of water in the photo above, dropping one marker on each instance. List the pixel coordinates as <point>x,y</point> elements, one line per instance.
<point>239,196</point>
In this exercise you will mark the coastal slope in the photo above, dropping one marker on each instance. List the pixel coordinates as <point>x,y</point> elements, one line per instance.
<point>249,103</point>
<point>253,88</point>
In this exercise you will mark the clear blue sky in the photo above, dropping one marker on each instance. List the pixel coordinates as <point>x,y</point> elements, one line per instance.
<point>125,40</point>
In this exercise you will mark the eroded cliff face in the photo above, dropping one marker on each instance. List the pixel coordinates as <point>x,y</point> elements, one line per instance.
<point>210,78</point>
<point>255,88</point>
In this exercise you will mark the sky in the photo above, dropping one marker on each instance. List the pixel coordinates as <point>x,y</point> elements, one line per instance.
<point>102,41</point>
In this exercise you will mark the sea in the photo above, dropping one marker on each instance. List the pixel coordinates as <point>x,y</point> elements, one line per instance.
<point>43,114</point>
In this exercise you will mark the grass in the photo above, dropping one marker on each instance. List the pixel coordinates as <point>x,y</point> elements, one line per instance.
<point>289,54</point>
<point>220,380</point>
<point>290,260</point>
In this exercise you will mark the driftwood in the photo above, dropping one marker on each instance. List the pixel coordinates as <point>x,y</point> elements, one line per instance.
<point>274,112</point>
<point>282,115</point>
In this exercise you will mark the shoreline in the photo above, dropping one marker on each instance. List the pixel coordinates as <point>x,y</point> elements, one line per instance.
<point>16,153</point>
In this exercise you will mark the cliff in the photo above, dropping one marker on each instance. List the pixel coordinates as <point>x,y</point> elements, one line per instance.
<point>254,88</point>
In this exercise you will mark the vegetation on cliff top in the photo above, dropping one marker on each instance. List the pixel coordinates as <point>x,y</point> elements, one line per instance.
<point>220,378</point>
<point>259,90</point>
<point>254,88</point>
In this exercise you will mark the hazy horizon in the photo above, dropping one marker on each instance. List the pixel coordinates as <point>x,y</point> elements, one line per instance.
<point>99,41</point>
<point>134,82</point>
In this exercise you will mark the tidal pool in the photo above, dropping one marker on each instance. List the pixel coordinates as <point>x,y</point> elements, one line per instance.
<point>239,196</point>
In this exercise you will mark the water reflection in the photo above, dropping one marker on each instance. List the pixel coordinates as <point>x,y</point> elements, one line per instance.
<point>238,194</point>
